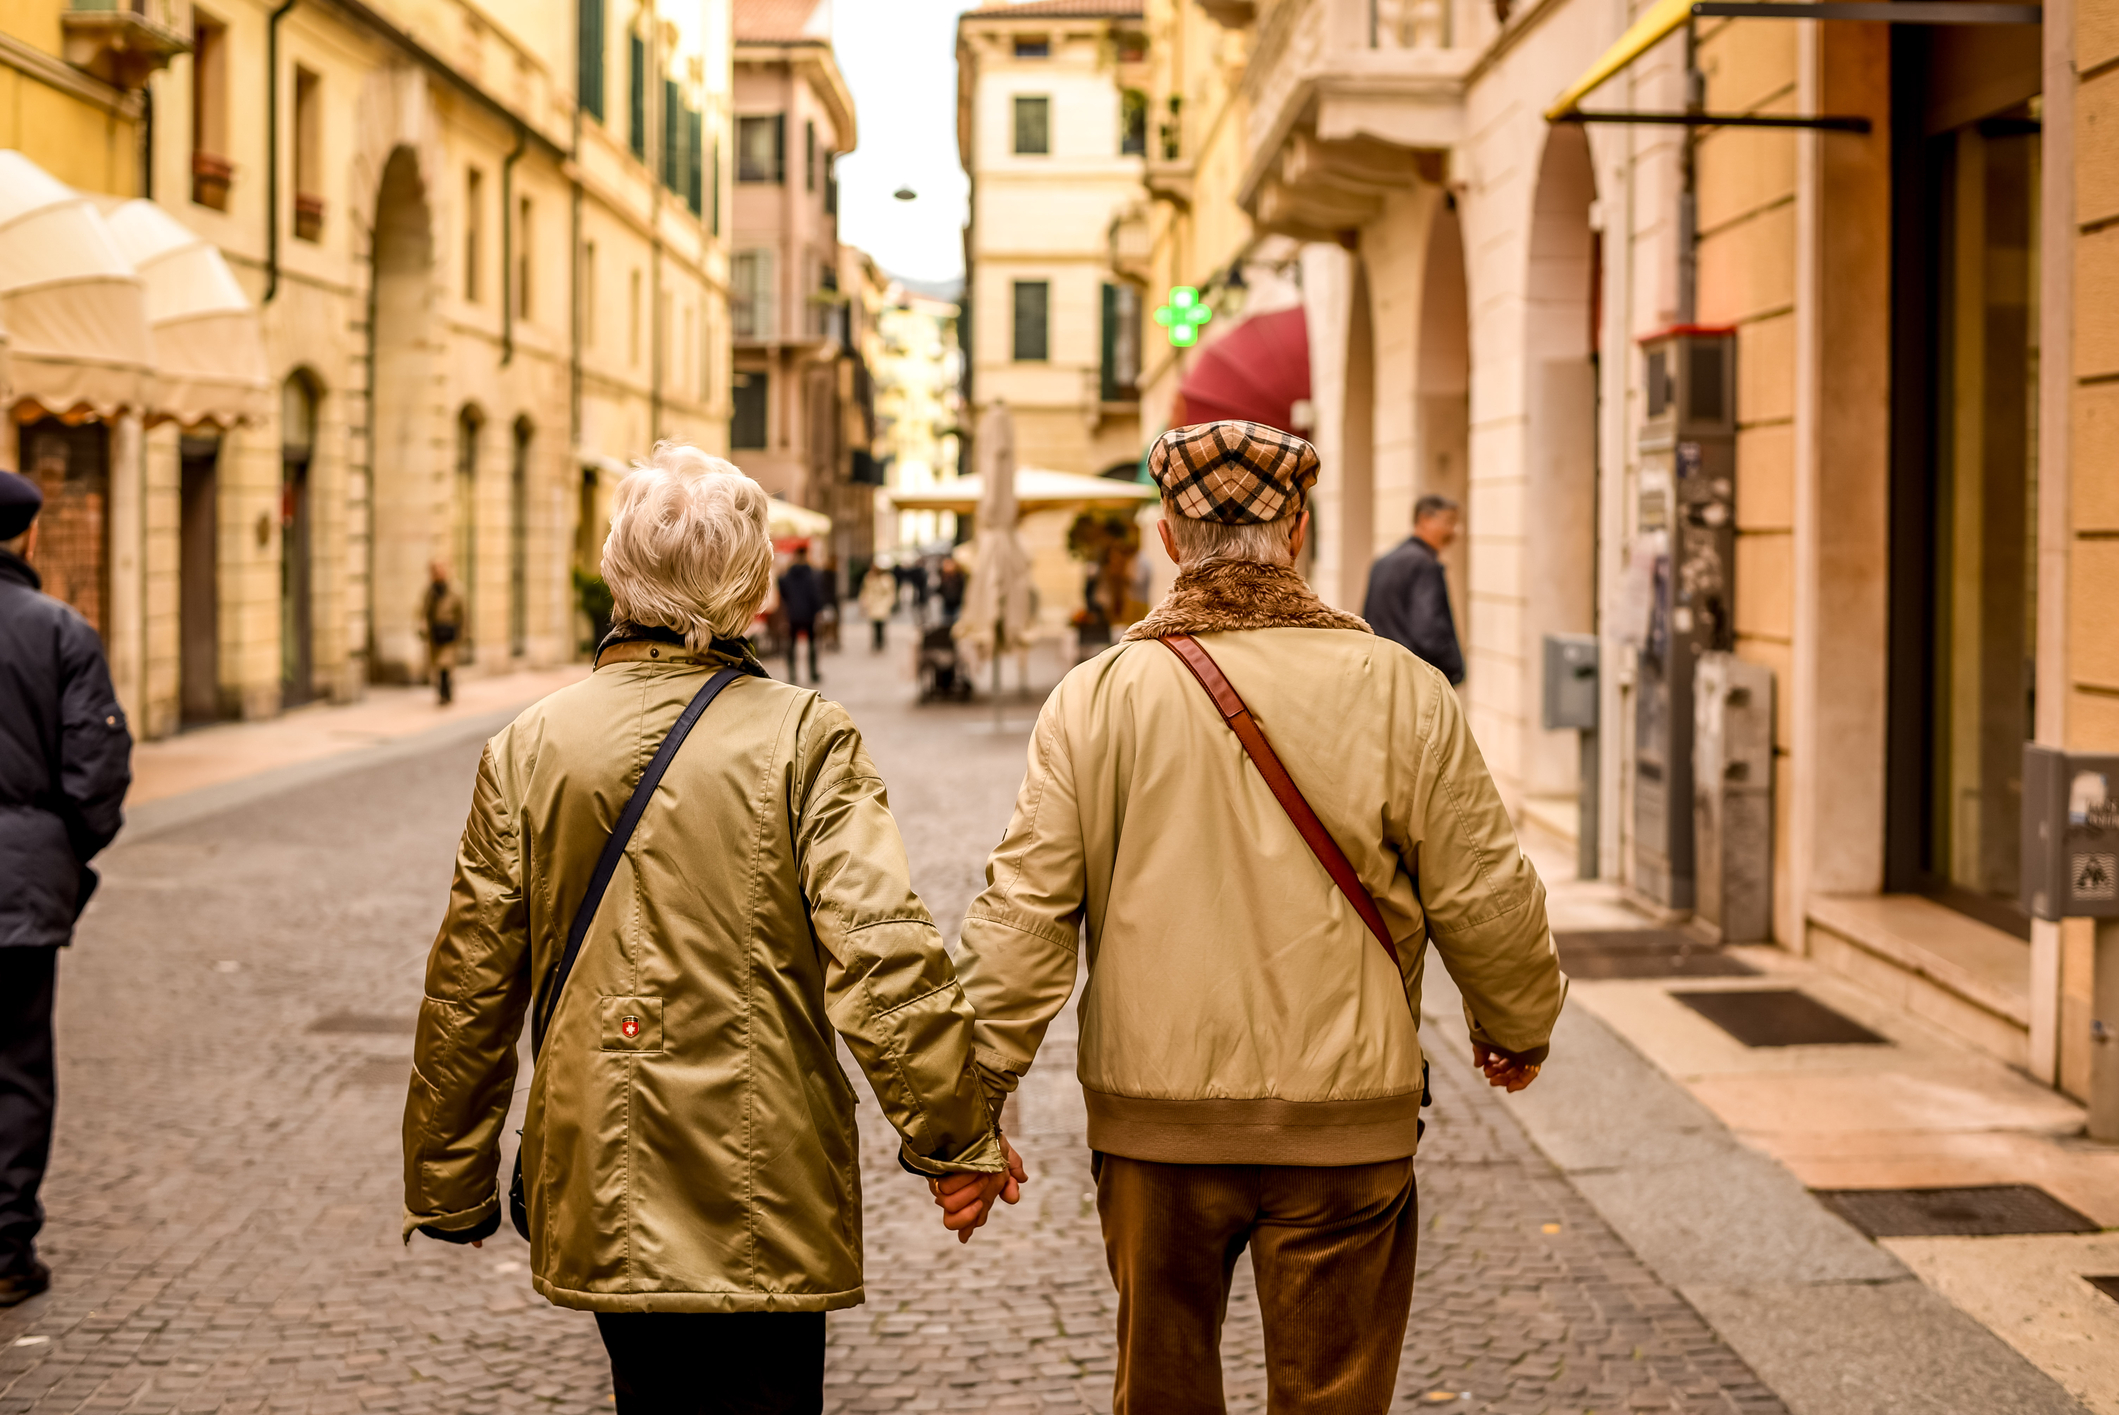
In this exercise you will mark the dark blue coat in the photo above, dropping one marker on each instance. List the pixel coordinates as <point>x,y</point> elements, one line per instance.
<point>65,760</point>
<point>1408,602</point>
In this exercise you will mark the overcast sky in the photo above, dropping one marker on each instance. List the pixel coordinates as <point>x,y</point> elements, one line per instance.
<point>899,57</point>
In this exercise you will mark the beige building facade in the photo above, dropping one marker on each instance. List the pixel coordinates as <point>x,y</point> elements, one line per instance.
<point>483,247</point>
<point>1889,507</point>
<point>1052,129</point>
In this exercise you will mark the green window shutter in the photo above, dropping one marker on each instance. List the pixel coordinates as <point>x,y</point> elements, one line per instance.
<point>694,171</point>
<point>672,135</point>
<point>1033,300</point>
<point>779,147</point>
<point>715,195</point>
<point>589,57</point>
<point>1033,124</point>
<point>636,96</point>
<point>1109,359</point>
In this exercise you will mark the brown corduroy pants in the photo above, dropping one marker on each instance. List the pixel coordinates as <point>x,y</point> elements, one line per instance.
<point>1333,1250</point>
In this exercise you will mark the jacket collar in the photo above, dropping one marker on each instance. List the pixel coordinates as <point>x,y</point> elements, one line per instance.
<point>1225,596</point>
<point>14,567</point>
<point>627,643</point>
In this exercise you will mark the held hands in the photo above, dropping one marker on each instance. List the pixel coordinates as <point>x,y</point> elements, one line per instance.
<point>966,1200</point>
<point>1508,1072</point>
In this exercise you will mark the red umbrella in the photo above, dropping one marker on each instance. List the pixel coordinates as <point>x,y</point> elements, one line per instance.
<point>1256,372</point>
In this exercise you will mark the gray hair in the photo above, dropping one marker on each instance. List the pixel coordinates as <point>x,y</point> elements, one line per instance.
<point>1431,505</point>
<point>688,548</point>
<point>1203,543</point>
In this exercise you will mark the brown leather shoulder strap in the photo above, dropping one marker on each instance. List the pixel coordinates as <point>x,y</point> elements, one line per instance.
<point>1232,709</point>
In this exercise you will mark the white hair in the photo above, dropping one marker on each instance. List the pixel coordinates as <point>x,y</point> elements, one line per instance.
<point>1203,543</point>
<point>688,548</point>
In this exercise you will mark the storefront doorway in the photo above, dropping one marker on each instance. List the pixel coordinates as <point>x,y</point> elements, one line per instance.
<point>297,621</point>
<point>1965,463</point>
<point>71,465</point>
<point>198,579</point>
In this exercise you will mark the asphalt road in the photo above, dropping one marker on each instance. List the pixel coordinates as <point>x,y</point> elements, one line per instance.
<point>224,1198</point>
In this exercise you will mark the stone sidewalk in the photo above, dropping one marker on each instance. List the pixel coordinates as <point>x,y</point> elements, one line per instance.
<point>224,1197</point>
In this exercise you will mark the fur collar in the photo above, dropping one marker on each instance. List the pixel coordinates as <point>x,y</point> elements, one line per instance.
<point>1224,596</point>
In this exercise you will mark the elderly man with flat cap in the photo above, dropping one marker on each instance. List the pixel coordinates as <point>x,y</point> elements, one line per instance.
<point>1254,815</point>
<point>65,761</point>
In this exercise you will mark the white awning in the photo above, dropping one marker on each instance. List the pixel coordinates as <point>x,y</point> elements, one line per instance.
<point>786,521</point>
<point>1035,490</point>
<point>210,364</point>
<point>74,309</point>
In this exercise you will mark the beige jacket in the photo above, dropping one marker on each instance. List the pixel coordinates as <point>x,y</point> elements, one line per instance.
<point>690,1144</point>
<point>1237,1010</point>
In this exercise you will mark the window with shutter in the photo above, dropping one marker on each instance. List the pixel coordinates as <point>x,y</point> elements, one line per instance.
<point>1033,300</point>
<point>1033,124</point>
<point>588,79</point>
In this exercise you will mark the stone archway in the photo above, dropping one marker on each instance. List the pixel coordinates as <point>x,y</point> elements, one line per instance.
<point>1353,529</point>
<point>1560,439</point>
<point>408,481</point>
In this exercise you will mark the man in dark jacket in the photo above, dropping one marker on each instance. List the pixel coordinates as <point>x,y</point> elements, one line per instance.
<point>1408,599</point>
<point>65,761</point>
<point>802,598</point>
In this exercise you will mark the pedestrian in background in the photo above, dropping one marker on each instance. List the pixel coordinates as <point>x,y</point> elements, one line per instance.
<point>949,584</point>
<point>1250,1051</point>
<point>802,600</point>
<point>879,597</point>
<point>1408,599</point>
<point>442,613</point>
<point>690,1153</point>
<point>65,762</point>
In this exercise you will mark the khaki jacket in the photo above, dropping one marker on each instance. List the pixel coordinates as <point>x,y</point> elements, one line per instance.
<point>690,1144</point>
<point>445,608</point>
<point>1237,1010</point>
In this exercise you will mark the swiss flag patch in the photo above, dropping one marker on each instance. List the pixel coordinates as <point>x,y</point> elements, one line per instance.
<point>629,1027</point>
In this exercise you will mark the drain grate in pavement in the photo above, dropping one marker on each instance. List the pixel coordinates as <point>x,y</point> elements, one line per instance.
<point>1981,1211</point>
<point>1644,953</point>
<point>366,1024</point>
<point>1778,1017</point>
<point>2109,1286</point>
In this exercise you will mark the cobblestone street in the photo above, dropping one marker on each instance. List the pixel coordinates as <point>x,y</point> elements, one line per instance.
<point>224,1199</point>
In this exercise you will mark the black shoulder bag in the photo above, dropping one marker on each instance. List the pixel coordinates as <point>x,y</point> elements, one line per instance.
<point>606,865</point>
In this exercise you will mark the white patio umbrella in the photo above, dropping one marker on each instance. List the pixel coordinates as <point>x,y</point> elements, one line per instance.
<point>997,613</point>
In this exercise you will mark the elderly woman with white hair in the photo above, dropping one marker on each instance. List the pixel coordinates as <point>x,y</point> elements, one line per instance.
<point>687,924</point>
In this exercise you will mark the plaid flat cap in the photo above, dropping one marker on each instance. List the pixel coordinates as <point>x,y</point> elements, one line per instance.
<point>1231,472</point>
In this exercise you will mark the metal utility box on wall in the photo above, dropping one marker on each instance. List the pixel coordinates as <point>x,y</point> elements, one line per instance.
<point>1571,705</point>
<point>1686,513</point>
<point>1732,773</point>
<point>2070,833</point>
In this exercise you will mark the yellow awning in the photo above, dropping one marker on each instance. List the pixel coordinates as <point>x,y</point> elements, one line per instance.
<point>1654,24</point>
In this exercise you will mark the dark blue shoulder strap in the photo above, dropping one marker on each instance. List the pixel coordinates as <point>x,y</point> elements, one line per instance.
<point>614,851</point>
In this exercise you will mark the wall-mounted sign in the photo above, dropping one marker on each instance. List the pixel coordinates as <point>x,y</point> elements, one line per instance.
<point>1183,315</point>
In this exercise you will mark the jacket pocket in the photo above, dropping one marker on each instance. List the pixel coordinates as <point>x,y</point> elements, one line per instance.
<point>630,1023</point>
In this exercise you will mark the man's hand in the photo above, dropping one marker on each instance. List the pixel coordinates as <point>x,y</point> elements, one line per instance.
<point>1502,1068</point>
<point>966,1200</point>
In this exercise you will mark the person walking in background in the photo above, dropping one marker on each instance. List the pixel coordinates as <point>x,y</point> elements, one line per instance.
<point>688,1160</point>
<point>1408,598</point>
<point>65,764</point>
<point>1250,1050</point>
<point>949,586</point>
<point>801,600</point>
<point>442,610</point>
<point>879,597</point>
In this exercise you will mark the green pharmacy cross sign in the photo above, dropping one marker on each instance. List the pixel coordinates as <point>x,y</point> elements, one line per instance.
<point>1183,315</point>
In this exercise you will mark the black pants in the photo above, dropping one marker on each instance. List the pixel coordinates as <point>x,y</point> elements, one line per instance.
<point>715,1363</point>
<point>28,1092</point>
<point>445,687</point>
<point>806,631</point>
<point>878,626</point>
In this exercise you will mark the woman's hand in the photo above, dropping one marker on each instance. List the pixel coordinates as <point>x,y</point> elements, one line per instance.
<point>966,1200</point>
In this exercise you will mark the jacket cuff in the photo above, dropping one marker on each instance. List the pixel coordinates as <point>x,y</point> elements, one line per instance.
<point>455,1227</point>
<point>1530,1056</point>
<point>983,1157</point>
<point>465,1235</point>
